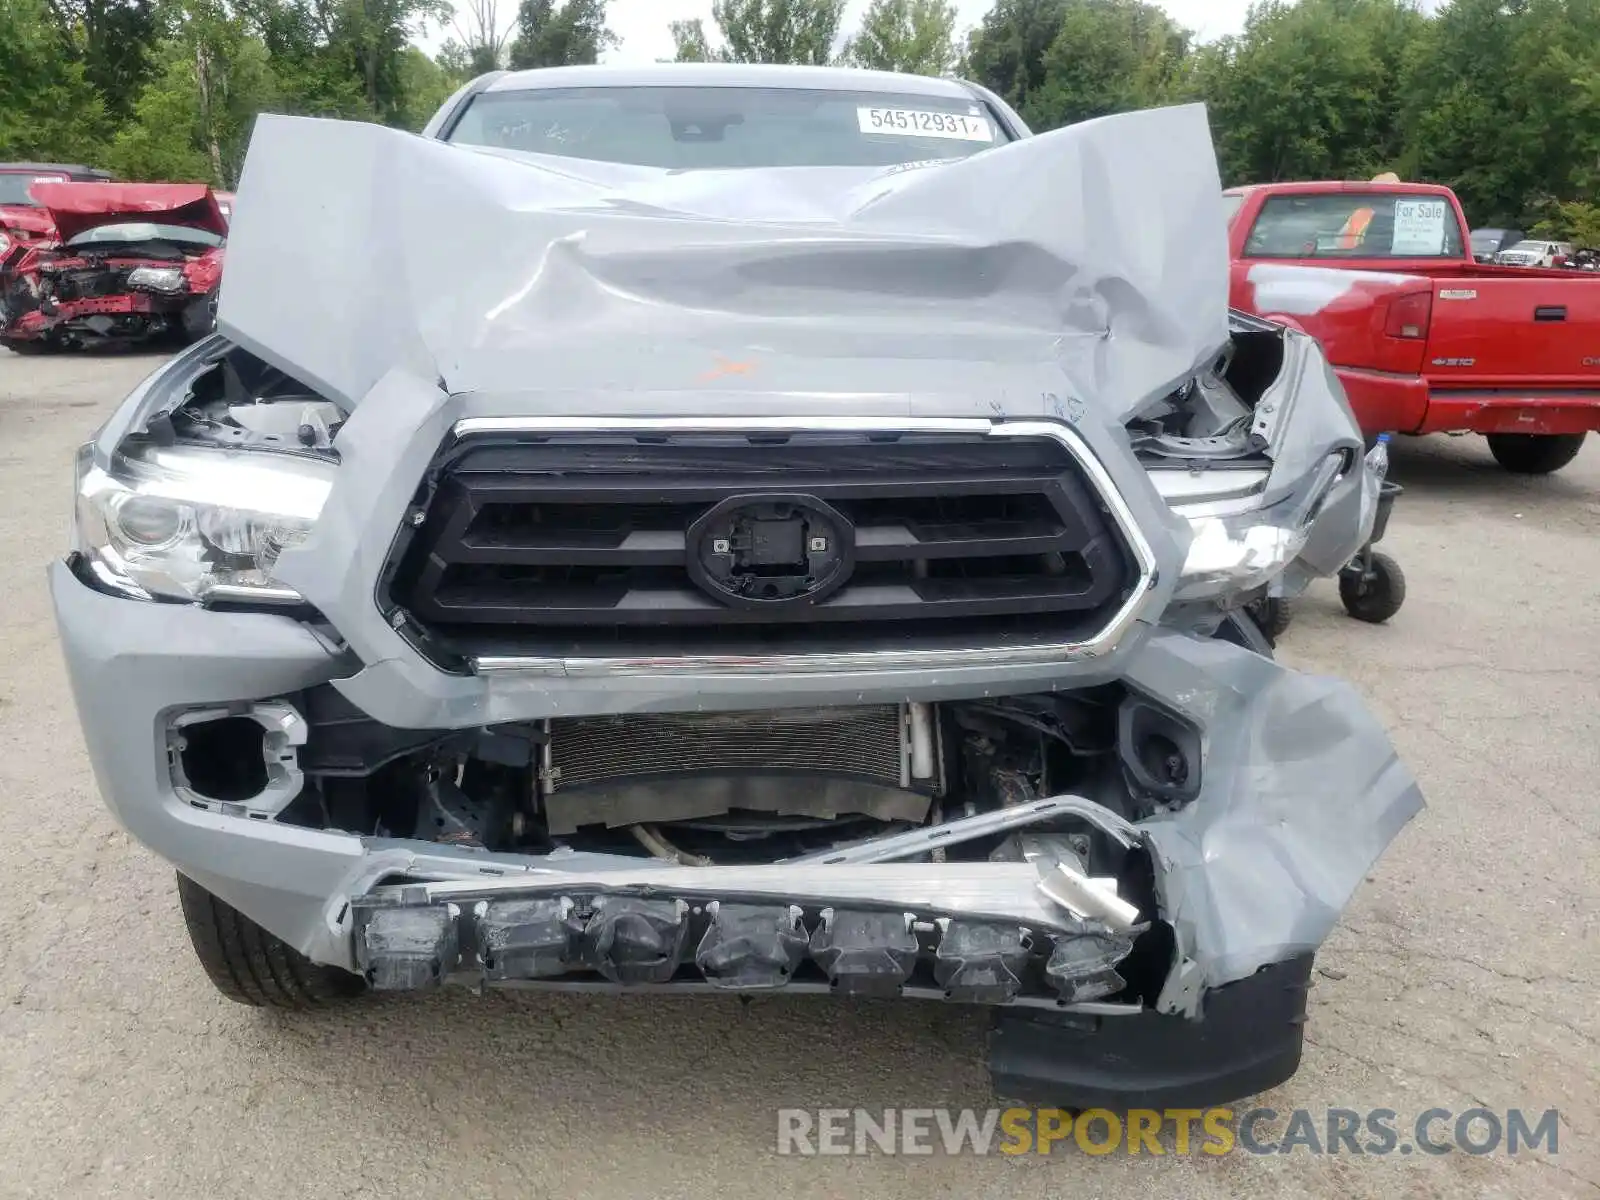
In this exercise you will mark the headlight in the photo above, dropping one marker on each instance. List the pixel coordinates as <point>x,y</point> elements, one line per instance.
<point>194,525</point>
<point>1237,554</point>
<point>1239,545</point>
<point>157,279</point>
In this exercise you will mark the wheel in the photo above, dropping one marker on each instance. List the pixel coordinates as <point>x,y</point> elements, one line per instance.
<point>1273,615</point>
<point>199,319</point>
<point>1535,453</point>
<point>251,966</point>
<point>26,345</point>
<point>1376,594</point>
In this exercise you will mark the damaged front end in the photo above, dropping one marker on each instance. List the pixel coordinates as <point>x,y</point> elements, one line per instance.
<point>132,263</point>
<point>768,640</point>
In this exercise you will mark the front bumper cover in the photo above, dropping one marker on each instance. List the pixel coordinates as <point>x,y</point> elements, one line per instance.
<point>1301,793</point>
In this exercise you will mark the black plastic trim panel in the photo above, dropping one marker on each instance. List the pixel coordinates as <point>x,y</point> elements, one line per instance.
<point>582,543</point>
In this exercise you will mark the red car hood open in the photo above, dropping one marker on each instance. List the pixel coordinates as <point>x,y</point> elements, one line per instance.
<point>27,219</point>
<point>78,207</point>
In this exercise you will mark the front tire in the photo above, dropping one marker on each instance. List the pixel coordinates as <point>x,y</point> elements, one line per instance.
<point>250,966</point>
<point>198,320</point>
<point>1535,453</point>
<point>1273,614</point>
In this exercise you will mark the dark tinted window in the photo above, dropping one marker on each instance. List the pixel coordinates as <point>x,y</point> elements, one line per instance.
<point>725,127</point>
<point>1355,225</point>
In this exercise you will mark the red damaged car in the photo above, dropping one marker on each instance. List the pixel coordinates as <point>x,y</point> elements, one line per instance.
<point>21,218</point>
<point>133,262</point>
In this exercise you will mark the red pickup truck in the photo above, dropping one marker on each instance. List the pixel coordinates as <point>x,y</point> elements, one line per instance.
<point>1424,338</point>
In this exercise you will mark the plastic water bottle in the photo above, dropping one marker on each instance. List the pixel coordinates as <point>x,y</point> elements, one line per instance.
<point>1378,458</point>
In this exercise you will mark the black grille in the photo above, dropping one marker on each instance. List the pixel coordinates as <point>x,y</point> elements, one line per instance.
<point>576,544</point>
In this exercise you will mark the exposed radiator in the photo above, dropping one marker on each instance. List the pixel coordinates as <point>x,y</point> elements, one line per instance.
<point>820,762</point>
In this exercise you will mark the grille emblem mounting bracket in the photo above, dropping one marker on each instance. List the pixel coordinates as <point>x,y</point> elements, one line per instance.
<point>771,551</point>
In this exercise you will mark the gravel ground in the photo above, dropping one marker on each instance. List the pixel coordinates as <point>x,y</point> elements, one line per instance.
<point>1463,976</point>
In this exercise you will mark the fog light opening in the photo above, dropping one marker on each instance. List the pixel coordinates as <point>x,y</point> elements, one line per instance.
<point>238,763</point>
<point>224,760</point>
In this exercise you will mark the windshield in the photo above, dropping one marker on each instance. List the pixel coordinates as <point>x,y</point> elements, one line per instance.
<point>682,128</point>
<point>1355,225</point>
<point>144,231</point>
<point>14,186</point>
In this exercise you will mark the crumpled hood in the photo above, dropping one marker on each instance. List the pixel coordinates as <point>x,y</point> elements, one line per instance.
<point>79,207</point>
<point>1097,251</point>
<point>27,219</point>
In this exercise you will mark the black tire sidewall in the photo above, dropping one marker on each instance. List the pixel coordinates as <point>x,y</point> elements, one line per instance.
<point>1535,454</point>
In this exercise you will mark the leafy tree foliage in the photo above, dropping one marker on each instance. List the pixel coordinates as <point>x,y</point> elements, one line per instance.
<point>764,31</point>
<point>690,39</point>
<point>1500,99</point>
<point>1312,90</point>
<point>548,36</point>
<point>48,109</point>
<point>915,36</point>
<point>1108,56</point>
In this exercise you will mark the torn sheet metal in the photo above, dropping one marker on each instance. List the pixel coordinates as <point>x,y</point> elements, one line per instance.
<point>76,208</point>
<point>1302,793</point>
<point>1098,249</point>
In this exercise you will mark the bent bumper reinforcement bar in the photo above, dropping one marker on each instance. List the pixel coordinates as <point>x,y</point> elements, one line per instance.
<point>857,922</point>
<point>692,937</point>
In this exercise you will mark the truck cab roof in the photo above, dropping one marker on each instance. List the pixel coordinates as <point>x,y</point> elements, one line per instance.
<point>1343,185</point>
<point>763,75</point>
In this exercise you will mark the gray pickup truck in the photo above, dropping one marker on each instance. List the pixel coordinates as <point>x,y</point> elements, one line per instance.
<point>734,529</point>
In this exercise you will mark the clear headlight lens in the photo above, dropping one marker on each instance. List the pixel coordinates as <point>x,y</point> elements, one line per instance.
<point>1237,554</point>
<point>1238,545</point>
<point>183,523</point>
<point>157,279</point>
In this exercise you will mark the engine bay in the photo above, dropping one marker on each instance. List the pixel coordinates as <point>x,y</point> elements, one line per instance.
<point>1054,781</point>
<point>724,789</point>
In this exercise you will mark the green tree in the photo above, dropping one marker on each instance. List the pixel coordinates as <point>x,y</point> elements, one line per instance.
<point>455,60</point>
<point>192,121</point>
<point>482,35</point>
<point>1311,90</point>
<point>1503,104</point>
<point>424,86</point>
<point>1006,52</point>
<point>690,39</point>
<point>48,109</point>
<point>1060,61</point>
<point>764,31</point>
<point>548,36</point>
<point>373,34</point>
<point>1108,56</point>
<point>113,39</point>
<point>915,36</point>
<point>1575,221</point>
